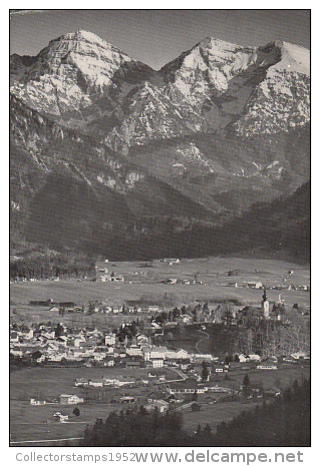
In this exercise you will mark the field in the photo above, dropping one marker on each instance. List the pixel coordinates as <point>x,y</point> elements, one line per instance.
<point>37,422</point>
<point>214,414</point>
<point>50,382</point>
<point>145,283</point>
<point>46,383</point>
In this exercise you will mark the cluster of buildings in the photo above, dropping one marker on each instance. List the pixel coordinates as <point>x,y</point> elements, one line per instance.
<point>46,343</point>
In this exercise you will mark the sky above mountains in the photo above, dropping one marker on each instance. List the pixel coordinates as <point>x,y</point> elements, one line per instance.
<point>157,36</point>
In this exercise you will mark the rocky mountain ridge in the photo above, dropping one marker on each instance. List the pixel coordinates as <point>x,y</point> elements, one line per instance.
<point>83,82</point>
<point>114,146</point>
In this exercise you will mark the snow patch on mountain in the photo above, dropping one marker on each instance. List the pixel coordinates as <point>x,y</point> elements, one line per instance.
<point>83,82</point>
<point>293,58</point>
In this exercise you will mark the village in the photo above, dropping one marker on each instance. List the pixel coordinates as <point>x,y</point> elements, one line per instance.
<point>128,348</point>
<point>188,358</point>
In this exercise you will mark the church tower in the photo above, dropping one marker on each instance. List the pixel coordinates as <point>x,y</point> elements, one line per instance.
<point>265,305</point>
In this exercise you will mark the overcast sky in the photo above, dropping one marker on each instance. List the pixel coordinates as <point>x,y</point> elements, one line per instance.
<point>157,36</point>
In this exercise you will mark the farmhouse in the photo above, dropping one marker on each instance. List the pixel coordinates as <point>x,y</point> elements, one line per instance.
<point>204,357</point>
<point>95,382</point>
<point>70,399</point>
<point>134,350</point>
<point>187,386</point>
<point>217,389</point>
<point>127,399</point>
<point>267,366</point>
<point>81,382</point>
<point>157,395</point>
<point>254,357</point>
<point>54,309</point>
<point>290,359</point>
<point>110,339</point>
<point>178,354</point>
<point>35,402</point>
<point>156,362</point>
<point>125,381</point>
<point>256,285</point>
<point>272,392</point>
<point>160,405</point>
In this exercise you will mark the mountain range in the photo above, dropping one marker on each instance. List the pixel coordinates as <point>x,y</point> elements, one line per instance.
<point>106,151</point>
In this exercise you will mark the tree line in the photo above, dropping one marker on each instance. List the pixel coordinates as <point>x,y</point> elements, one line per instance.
<point>45,266</point>
<point>284,422</point>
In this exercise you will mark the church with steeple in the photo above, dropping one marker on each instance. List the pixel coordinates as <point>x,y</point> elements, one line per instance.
<point>265,305</point>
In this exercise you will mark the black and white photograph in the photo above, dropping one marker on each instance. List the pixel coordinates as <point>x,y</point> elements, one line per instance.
<point>160,233</point>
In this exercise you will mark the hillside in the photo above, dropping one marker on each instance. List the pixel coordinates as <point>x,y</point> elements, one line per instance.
<point>109,156</point>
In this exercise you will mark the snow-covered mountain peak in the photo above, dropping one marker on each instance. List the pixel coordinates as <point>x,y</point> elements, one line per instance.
<point>289,57</point>
<point>81,40</point>
<point>210,64</point>
<point>84,82</point>
<point>294,58</point>
<point>215,45</point>
<point>78,52</point>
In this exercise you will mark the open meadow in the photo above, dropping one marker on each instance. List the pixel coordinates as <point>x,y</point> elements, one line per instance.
<point>47,382</point>
<point>37,422</point>
<point>29,422</point>
<point>215,281</point>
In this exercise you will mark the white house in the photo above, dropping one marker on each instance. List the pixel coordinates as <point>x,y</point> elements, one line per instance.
<point>299,355</point>
<point>70,399</point>
<point>207,357</point>
<point>109,363</point>
<point>96,382</point>
<point>110,339</point>
<point>254,357</point>
<point>134,351</point>
<point>81,382</point>
<point>161,405</point>
<point>157,362</point>
<point>178,354</point>
<point>186,387</point>
<point>158,352</point>
<point>54,309</point>
<point>267,367</point>
<point>78,341</point>
<point>242,358</point>
<point>35,402</point>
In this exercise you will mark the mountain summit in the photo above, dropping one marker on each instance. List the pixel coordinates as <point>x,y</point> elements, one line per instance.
<point>84,82</point>
<point>215,130</point>
<point>75,78</point>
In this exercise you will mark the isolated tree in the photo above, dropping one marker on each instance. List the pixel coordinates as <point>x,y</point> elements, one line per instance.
<point>228,359</point>
<point>246,381</point>
<point>76,411</point>
<point>58,331</point>
<point>195,407</point>
<point>205,372</point>
<point>246,385</point>
<point>207,430</point>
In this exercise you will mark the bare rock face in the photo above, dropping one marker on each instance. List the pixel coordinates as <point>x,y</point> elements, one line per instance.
<point>77,78</point>
<point>217,129</point>
<point>83,82</point>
